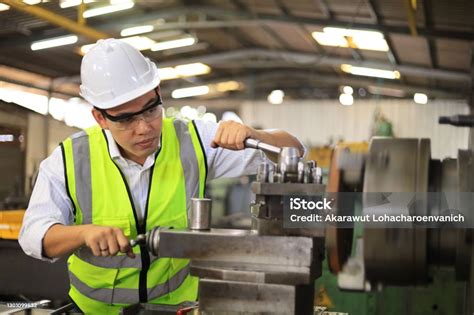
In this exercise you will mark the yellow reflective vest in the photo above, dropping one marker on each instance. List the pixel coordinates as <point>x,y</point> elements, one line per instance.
<point>100,195</point>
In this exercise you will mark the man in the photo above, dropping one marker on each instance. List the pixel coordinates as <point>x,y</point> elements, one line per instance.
<point>135,171</point>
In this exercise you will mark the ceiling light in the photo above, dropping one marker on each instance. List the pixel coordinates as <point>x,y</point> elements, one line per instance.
<point>328,40</point>
<point>276,97</point>
<point>344,32</point>
<point>107,9</point>
<point>420,98</point>
<point>32,2</point>
<point>136,30</point>
<point>192,69</point>
<point>72,3</point>
<point>370,44</point>
<point>54,42</point>
<point>33,101</point>
<point>4,7</point>
<point>7,138</point>
<point>85,48</point>
<point>167,73</point>
<point>227,86</point>
<point>189,92</point>
<point>346,99</point>
<point>139,42</point>
<point>370,72</point>
<point>187,70</point>
<point>181,42</point>
<point>348,90</point>
<point>360,39</point>
<point>379,90</point>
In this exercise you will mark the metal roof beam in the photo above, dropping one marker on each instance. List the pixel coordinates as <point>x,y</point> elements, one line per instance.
<point>281,5</point>
<point>34,86</point>
<point>311,59</point>
<point>410,7</point>
<point>391,53</point>
<point>429,25</point>
<point>240,18</point>
<point>322,4</point>
<point>311,77</point>
<point>56,19</point>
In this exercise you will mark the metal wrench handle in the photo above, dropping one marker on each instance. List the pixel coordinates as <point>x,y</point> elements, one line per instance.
<point>140,240</point>
<point>257,144</point>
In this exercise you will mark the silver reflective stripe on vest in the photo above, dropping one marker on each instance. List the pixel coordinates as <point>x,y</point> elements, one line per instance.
<point>172,284</point>
<point>82,170</point>
<point>188,160</point>
<point>113,262</point>
<point>128,296</point>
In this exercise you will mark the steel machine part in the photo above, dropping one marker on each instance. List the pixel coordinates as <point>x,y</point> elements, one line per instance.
<point>200,214</point>
<point>396,256</point>
<point>398,250</point>
<point>270,269</point>
<point>242,271</point>
<point>267,269</point>
<point>344,176</point>
<point>292,176</point>
<point>257,144</point>
<point>457,120</point>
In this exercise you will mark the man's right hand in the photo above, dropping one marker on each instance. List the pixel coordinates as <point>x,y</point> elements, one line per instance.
<point>103,241</point>
<point>106,241</point>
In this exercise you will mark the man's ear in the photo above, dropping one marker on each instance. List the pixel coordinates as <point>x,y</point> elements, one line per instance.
<point>99,118</point>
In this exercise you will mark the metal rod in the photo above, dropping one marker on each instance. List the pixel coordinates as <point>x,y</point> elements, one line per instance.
<point>256,144</point>
<point>57,19</point>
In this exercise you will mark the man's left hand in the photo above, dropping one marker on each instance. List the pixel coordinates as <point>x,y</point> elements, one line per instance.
<point>231,135</point>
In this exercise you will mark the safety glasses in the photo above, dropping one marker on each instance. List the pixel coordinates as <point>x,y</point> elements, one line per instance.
<point>129,120</point>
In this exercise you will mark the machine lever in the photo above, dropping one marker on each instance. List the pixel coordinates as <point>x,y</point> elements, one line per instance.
<point>140,240</point>
<point>257,144</point>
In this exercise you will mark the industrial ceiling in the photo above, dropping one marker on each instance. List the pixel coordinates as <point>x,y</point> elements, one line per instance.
<point>264,45</point>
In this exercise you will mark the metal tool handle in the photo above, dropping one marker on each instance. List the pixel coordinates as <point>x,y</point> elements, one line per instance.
<point>140,240</point>
<point>257,144</point>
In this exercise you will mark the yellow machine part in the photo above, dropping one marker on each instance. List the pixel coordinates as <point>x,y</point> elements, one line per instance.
<point>10,223</point>
<point>323,155</point>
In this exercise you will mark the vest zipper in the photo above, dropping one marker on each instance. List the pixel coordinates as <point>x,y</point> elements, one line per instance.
<point>144,255</point>
<point>141,228</point>
<point>143,292</point>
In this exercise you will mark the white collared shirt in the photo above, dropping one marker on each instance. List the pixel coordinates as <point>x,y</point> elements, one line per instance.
<point>49,203</point>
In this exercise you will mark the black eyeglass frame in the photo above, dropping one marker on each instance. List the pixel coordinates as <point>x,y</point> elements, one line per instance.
<point>120,118</point>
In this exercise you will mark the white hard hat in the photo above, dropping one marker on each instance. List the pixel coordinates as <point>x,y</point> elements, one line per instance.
<point>114,72</point>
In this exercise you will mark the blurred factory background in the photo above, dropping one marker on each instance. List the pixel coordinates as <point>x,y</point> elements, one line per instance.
<point>332,72</point>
